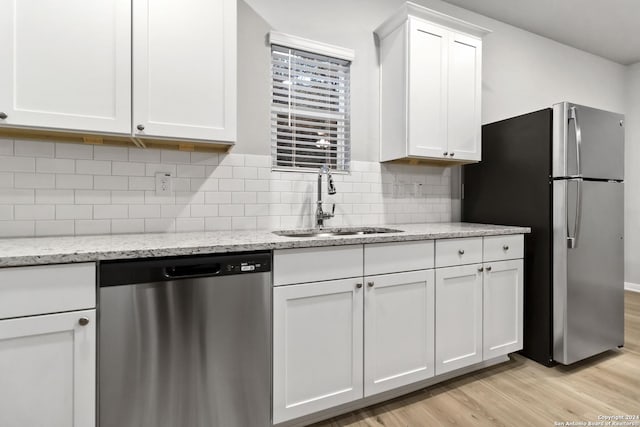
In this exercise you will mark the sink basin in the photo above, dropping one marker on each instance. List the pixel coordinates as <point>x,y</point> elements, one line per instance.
<point>331,232</point>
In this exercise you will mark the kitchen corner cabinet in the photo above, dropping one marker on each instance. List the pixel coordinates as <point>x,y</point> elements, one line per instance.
<point>430,83</point>
<point>48,346</point>
<point>317,347</point>
<point>184,69</point>
<point>66,65</point>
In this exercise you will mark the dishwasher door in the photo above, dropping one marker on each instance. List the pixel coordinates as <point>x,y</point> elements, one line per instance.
<point>185,352</point>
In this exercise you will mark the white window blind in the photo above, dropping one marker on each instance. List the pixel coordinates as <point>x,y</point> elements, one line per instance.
<point>309,110</point>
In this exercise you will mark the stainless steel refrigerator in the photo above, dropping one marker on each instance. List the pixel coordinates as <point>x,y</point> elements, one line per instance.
<point>560,171</point>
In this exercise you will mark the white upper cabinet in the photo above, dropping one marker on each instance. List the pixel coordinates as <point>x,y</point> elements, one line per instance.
<point>66,65</point>
<point>184,69</point>
<point>430,83</point>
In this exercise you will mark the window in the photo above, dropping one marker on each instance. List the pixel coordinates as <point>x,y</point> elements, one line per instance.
<point>309,107</point>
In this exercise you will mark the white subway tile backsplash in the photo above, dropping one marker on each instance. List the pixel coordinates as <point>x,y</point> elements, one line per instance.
<point>73,151</point>
<point>92,226</point>
<point>217,223</point>
<point>204,158</point>
<point>34,180</point>
<point>121,226</point>
<point>231,185</point>
<point>144,156</point>
<point>172,156</point>
<point>17,197</point>
<point>6,212</point>
<point>74,181</point>
<point>100,189</point>
<point>45,196</point>
<point>144,211</point>
<point>162,225</point>
<point>111,153</point>
<point>110,211</point>
<point>27,148</point>
<point>142,183</point>
<point>55,228</point>
<point>17,164</point>
<point>6,147</point>
<point>93,167</point>
<point>44,165</point>
<point>74,211</point>
<point>17,228</point>
<point>6,180</point>
<point>92,197</point>
<point>111,183</point>
<point>34,212</point>
<point>189,224</point>
<point>128,169</point>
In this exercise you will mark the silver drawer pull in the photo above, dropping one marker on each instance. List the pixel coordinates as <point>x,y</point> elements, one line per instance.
<point>358,285</point>
<point>488,268</point>
<point>505,248</point>
<point>461,251</point>
<point>83,321</point>
<point>480,269</point>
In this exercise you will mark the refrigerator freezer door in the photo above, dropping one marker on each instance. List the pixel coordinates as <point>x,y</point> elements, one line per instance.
<point>588,290</point>
<point>587,142</point>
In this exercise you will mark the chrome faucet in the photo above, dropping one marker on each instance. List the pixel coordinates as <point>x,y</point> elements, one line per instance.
<point>331,189</point>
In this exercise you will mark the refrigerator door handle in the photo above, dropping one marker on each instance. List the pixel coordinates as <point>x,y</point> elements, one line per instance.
<point>573,115</point>
<point>572,239</point>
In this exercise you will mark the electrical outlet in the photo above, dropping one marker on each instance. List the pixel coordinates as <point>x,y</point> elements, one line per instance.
<point>164,185</point>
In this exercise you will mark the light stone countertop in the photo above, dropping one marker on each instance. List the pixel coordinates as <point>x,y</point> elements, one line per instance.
<point>56,250</point>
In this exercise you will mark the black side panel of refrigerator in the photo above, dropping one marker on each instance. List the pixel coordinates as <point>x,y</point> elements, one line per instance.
<point>511,186</point>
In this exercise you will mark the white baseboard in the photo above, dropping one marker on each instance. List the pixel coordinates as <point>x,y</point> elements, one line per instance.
<point>633,287</point>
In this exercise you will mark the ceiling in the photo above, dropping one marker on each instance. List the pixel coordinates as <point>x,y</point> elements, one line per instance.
<point>607,28</point>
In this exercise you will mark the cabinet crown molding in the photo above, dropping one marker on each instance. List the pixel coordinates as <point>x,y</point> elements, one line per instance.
<point>410,9</point>
<point>308,45</point>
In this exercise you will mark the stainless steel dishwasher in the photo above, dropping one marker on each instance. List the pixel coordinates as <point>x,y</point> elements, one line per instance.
<point>185,342</point>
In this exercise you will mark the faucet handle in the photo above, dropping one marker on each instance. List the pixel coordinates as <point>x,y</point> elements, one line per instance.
<point>333,210</point>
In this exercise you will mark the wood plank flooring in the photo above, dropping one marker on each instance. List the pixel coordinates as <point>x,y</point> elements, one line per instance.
<point>522,392</point>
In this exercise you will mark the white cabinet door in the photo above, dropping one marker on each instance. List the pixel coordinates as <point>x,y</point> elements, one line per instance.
<point>427,91</point>
<point>317,347</point>
<point>184,69</point>
<point>503,306</point>
<point>66,64</point>
<point>47,370</point>
<point>458,317</point>
<point>399,328</point>
<point>464,88</point>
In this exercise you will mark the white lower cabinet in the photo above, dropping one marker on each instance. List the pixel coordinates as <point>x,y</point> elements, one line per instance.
<point>47,370</point>
<point>458,317</point>
<point>317,347</point>
<point>502,308</point>
<point>398,340</point>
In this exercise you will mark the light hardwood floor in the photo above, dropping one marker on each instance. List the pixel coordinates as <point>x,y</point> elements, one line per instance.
<point>522,393</point>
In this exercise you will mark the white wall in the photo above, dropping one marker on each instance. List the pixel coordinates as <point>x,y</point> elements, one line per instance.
<point>522,72</point>
<point>632,176</point>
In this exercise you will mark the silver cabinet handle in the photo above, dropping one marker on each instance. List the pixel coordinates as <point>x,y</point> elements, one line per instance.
<point>140,127</point>
<point>452,154</point>
<point>83,321</point>
<point>358,285</point>
<point>446,153</point>
<point>480,269</point>
<point>370,284</point>
<point>488,268</point>
<point>461,251</point>
<point>3,115</point>
<point>505,248</point>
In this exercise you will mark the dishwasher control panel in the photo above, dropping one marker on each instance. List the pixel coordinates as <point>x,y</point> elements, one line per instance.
<point>257,265</point>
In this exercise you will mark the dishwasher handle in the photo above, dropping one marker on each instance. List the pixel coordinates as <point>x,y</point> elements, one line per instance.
<point>191,270</point>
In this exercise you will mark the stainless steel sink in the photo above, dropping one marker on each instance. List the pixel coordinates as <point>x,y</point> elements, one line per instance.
<point>331,232</point>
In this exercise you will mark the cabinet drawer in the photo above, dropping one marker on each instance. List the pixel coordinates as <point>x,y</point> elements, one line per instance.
<point>458,251</point>
<point>383,258</point>
<point>27,291</point>
<point>497,248</point>
<point>316,264</point>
